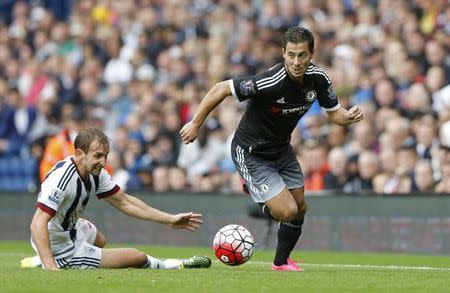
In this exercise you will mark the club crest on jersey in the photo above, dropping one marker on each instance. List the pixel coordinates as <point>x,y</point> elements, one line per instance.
<point>56,196</point>
<point>247,87</point>
<point>265,188</point>
<point>311,96</point>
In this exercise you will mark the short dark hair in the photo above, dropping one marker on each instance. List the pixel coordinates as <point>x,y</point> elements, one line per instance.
<point>298,34</point>
<point>86,136</point>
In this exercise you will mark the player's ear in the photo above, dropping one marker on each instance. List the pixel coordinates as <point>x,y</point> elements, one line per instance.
<point>312,53</point>
<point>79,153</point>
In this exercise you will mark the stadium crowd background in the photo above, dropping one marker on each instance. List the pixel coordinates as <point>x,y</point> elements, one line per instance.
<point>138,69</point>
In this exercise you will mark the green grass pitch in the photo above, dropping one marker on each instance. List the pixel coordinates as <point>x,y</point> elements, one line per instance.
<point>324,272</point>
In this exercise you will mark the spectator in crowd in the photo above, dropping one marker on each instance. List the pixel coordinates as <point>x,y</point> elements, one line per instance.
<point>368,167</point>
<point>202,156</point>
<point>364,138</point>
<point>394,177</point>
<point>444,133</point>
<point>60,146</point>
<point>18,121</point>
<point>400,131</point>
<point>6,114</point>
<point>406,160</point>
<point>161,180</point>
<point>435,79</point>
<point>121,175</point>
<point>385,94</point>
<point>443,185</point>
<point>315,162</point>
<point>436,56</point>
<point>336,135</point>
<point>337,176</point>
<point>417,101</point>
<point>177,179</point>
<point>423,177</point>
<point>426,137</point>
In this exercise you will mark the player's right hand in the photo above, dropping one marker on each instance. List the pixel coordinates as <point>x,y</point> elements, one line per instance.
<point>189,221</point>
<point>189,132</point>
<point>50,268</point>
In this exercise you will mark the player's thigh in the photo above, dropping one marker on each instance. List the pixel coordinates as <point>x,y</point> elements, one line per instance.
<point>283,206</point>
<point>299,196</point>
<point>89,232</point>
<point>86,256</point>
<point>122,258</point>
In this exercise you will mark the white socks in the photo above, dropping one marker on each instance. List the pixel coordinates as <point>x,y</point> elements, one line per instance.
<point>170,263</point>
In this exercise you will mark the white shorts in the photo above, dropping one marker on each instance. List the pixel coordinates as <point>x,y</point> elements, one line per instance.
<point>86,255</point>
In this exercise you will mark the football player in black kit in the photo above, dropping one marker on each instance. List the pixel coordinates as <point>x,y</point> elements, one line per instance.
<point>261,150</point>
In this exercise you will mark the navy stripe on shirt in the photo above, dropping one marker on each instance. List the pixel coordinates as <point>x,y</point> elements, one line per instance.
<point>66,177</point>
<point>73,206</point>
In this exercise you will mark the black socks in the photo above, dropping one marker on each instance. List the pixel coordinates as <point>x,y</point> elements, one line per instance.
<point>288,235</point>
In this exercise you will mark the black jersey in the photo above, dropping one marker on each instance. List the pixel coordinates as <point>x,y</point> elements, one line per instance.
<point>276,104</point>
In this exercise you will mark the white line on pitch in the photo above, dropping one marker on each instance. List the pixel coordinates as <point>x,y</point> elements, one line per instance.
<point>360,266</point>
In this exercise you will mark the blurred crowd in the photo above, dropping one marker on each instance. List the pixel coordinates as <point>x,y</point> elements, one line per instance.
<point>138,68</point>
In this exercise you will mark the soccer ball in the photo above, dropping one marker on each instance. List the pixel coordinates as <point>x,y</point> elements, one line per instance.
<point>233,245</point>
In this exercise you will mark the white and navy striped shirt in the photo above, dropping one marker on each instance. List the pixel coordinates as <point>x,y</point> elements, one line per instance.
<point>275,105</point>
<point>64,195</point>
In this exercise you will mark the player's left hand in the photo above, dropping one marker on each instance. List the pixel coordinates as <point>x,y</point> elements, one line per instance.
<point>188,221</point>
<point>355,114</point>
<point>189,132</point>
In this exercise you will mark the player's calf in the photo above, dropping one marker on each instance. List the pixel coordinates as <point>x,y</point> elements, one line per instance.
<point>195,262</point>
<point>113,258</point>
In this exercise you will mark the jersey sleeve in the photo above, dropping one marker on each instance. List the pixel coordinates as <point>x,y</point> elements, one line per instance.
<point>106,187</point>
<point>327,95</point>
<point>245,88</point>
<point>50,198</point>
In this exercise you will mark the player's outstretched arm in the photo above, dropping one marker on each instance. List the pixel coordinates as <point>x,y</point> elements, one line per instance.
<point>212,99</point>
<point>345,117</point>
<point>39,231</point>
<point>136,208</point>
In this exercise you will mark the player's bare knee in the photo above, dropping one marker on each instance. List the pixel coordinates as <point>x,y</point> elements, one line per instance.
<point>288,214</point>
<point>100,240</point>
<point>140,258</point>
<point>104,241</point>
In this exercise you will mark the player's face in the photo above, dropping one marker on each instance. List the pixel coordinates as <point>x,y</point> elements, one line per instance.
<point>296,59</point>
<point>95,159</point>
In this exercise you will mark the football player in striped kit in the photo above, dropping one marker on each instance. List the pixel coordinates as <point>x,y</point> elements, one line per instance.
<point>63,239</point>
<point>261,150</point>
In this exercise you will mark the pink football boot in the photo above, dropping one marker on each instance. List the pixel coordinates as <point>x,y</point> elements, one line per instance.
<point>293,263</point>
<point>290,266</point>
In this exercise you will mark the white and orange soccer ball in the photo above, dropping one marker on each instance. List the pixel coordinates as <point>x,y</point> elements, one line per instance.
<point>233,245</point>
